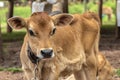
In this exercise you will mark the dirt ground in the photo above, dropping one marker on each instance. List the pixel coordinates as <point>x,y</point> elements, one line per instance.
<point>108,45</point>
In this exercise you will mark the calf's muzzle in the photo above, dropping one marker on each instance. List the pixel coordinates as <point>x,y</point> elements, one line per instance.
<point>47,53</point>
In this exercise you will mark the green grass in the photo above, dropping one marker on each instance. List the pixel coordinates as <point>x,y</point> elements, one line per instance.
<point>23,11</point>
<point>76,8</point>
<point>109,27</point>
<point>118,72</point>
<point>13,36</point>
<point>79,8</point>
<point>3,15</point>
<point>11,69</point>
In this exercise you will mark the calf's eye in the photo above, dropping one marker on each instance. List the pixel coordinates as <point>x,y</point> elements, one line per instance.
<point>31,32</point>
<point>53,31</point>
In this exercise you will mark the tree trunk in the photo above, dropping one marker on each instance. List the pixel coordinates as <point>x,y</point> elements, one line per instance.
<point>1,46</point>
<point>10,14</point>
<point>100,10</point>
<point>85,5</point>
<point>65,6</point>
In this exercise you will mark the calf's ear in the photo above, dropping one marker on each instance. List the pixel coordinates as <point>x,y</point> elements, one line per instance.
<point>63,19</point>
<point>16,22</point>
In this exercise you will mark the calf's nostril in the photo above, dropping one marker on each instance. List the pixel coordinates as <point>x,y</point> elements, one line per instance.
<point>42,52</point>
<point>47,52</point>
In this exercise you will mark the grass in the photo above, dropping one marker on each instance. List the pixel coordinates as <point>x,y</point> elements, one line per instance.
<point>23,11</point>
<point>76,8</point>
<point>13,36</point>
<point>118,72</point>
<point>14,70</point>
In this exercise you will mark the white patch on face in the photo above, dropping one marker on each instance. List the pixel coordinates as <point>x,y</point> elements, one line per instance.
<point>97,78</point>
<point>53,24</point>
<point>52,55</point>
<point>39,55</point>
<point>31,26</point>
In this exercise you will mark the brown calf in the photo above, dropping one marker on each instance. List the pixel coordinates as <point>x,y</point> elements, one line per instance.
<point>59,46</point>
<point>107,11</point>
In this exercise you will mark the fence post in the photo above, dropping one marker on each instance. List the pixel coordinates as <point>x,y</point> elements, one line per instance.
<point>100,10</point>
<point>1,46</point>
<point>10,14</point>
<point>117,19</point>
<point>65,6</point>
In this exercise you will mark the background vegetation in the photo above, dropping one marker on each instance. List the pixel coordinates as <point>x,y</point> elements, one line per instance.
<point>25,11</point>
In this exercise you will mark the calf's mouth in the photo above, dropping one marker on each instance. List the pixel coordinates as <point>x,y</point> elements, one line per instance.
<point>44,54</point>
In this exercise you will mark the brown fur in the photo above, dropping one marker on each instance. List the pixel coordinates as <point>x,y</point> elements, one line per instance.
<point>41,19</point>
<point>75,45</point>
<point>105,70</point>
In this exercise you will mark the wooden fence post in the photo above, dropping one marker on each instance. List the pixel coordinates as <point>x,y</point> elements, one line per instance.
<point>100,10</point>
<point>117,19</point>
<point>65,6</point>
<point>1,46</point>
<point>10,14</point>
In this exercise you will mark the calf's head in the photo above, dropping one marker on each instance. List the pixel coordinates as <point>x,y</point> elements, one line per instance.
<point>40,28</point>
